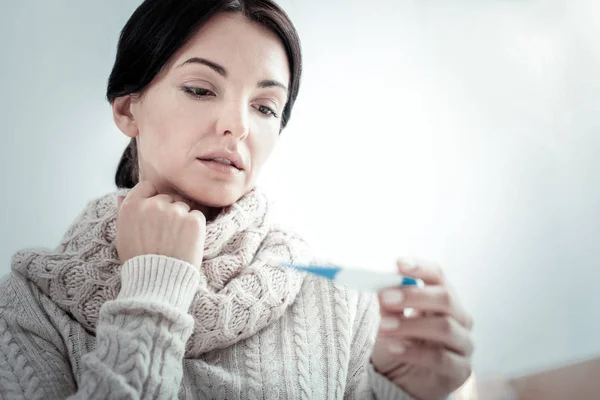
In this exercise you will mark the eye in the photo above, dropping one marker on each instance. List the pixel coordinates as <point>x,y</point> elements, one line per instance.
<point>266,111</point>
<point>198,92</point>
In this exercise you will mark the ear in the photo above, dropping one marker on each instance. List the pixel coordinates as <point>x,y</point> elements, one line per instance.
<point>123,116</point>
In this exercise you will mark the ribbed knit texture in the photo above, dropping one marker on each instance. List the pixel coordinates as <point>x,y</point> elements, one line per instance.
<point>159,279</point>
<point>139,345</point>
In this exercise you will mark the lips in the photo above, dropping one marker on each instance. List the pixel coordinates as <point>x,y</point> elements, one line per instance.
<point>220,167</point>
<point>225,158</point>
<point>223,161</point>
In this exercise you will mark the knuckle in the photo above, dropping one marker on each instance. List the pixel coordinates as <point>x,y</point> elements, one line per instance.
<point>152,205</point>
<point>443,360</point>
<point>446,326</point>
<point>437,357</point>
<point>182,205</point>
<point>162,198</point>
<point>445,298</point>
<point>153,209</point>
<point>196,219</point>
<point>175,213</point>
<point>180,209</point>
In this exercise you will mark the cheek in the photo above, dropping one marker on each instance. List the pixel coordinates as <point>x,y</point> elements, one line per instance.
<point>263,147</point>
<point>170,127</point>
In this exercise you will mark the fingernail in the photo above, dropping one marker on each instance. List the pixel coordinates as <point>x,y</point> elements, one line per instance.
<point>396,348</point>
<point>389,323</point>
<point>408,265</point>
<point>392,297</point>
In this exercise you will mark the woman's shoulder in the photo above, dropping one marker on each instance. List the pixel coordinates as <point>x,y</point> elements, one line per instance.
<point>20,296</point>
<point>31,337</point>
<point>24,307</point>
<point>24,316</point>
<point>14,289</point>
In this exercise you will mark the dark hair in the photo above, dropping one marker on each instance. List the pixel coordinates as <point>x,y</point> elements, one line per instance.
<point>159,28</point>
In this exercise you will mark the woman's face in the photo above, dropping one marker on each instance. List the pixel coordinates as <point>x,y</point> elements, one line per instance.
<point>220,97</point>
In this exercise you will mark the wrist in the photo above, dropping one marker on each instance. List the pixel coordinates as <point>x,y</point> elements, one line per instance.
<point>160,279</point>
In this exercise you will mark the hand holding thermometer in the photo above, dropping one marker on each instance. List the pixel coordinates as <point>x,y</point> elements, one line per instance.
<point>357,279</point>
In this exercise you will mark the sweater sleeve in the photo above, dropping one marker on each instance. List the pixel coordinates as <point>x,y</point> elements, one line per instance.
<point>141,335</point>
<point>140,341</point>
<point>363,381</point>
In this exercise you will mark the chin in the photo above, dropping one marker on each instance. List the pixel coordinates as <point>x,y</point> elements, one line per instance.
<point>216,195</point>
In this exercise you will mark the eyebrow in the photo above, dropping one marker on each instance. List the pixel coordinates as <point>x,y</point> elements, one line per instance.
<point>267,83</point>
<point>212,65</point>
<point>271,83</point>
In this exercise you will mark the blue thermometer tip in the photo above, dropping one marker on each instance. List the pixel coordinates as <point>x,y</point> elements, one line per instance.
<point>406,281</point>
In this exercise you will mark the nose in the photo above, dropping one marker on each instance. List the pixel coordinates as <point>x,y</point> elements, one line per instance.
<point>234,120</point>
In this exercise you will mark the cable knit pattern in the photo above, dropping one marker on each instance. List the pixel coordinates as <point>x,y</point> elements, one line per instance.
<point>343,329</point>
<point>253,367</point>
<point>18,379</point>
<point>74,324</point>
<point>137,352</point>
<point>302,351</point>
<point>242,287</point>
<point>313,325</point>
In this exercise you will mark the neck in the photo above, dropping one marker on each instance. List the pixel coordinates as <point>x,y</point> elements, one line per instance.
<point>210,213</point>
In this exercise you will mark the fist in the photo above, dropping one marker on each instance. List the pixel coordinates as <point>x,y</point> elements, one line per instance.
<point>153,223</point>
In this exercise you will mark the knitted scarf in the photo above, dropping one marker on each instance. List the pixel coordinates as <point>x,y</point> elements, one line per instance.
<point>242,287</point>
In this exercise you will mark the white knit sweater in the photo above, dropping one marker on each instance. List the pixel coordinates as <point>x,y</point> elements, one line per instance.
<point>319,348</point>
<point>76,324</point>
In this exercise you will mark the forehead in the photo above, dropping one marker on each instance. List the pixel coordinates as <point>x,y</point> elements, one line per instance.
<point>242,46</point>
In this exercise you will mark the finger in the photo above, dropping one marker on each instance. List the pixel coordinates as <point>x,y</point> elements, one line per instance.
<point>163,198</point>
<point>143,190</point>
<point>200,215</point>
<point>430,273</point>
<point>185,207</point>
<point>120,200</point>
<point>444,331</point>
<point>428,300</point>
<point>403,313</point>
<point>179,198</point>
<point>436,359</point>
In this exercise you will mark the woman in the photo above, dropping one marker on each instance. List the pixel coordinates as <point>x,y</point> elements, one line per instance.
<point>172,286</point>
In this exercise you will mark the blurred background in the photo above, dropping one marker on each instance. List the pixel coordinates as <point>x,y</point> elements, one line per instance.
<point>465,132</point>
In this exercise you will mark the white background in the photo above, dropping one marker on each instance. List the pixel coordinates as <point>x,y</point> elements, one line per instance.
<point>465,132</point>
